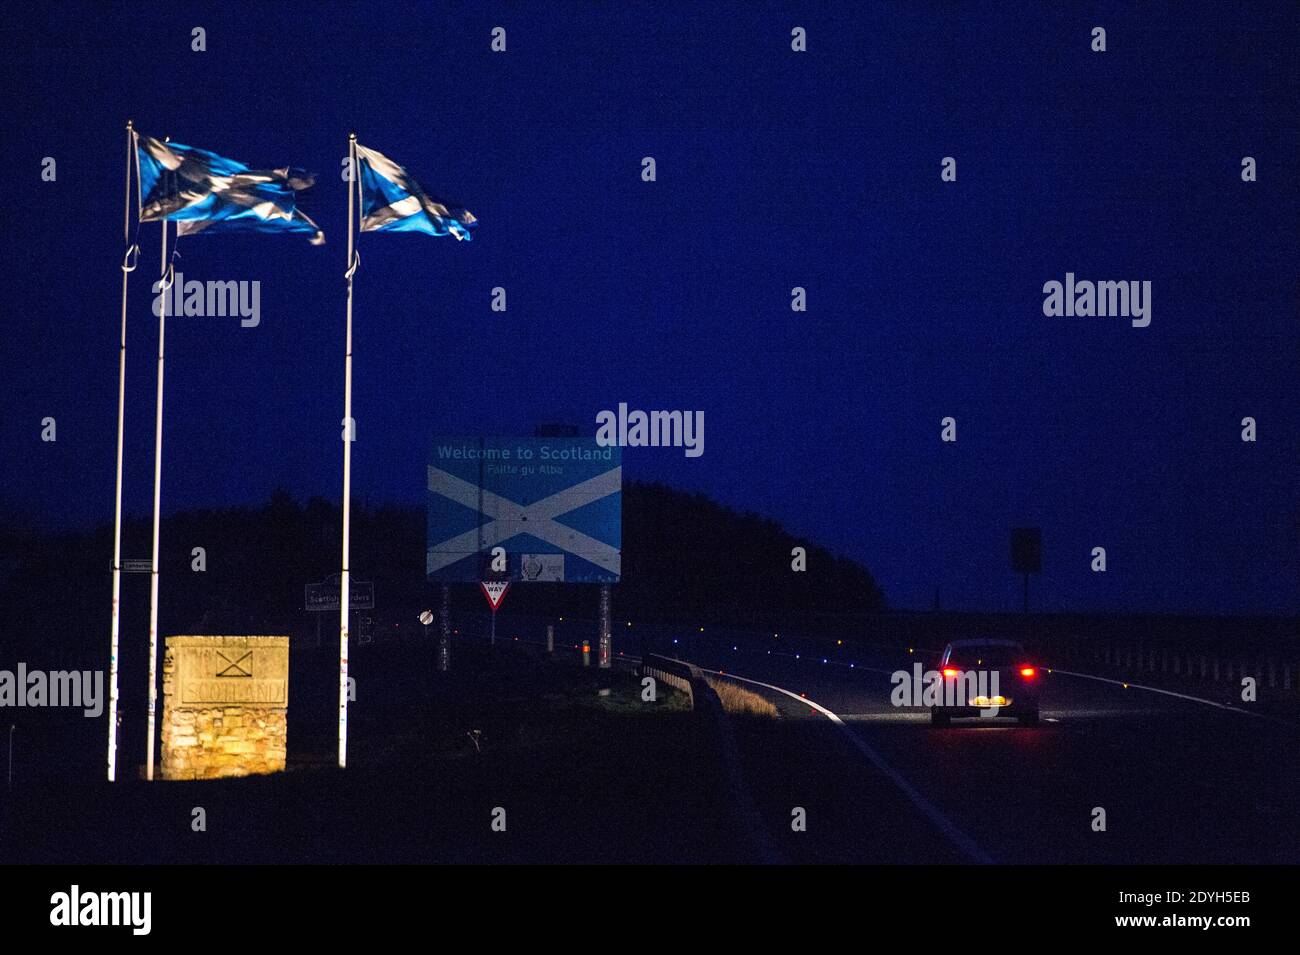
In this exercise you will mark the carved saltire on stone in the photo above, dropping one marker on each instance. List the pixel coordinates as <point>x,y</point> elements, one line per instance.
<point>225,706</point>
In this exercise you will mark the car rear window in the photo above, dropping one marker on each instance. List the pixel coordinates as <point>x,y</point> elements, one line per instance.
<point>986,656</point>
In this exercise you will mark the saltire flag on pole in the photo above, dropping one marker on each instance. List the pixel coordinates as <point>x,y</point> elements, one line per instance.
<point>391,201</point>
<point>203,192</point>
<point>387,200</point>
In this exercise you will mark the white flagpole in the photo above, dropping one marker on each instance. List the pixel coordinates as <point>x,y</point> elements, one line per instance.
<point>117,494</point>
<point>164,289</point>
<point>348,435</point>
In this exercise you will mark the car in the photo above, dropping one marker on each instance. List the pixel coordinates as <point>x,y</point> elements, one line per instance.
<point>968,668</point>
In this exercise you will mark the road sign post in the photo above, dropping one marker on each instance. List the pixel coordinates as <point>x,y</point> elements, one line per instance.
<point>495,592</point>
<point>1027,554</point>
<point>324,597</point>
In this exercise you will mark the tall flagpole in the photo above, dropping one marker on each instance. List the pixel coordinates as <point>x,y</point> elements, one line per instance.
<point>127,269</point>
<point>164,288</point>
<point>348,435</point>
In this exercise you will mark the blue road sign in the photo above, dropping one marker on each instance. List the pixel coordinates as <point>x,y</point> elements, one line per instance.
<point>555,505</point>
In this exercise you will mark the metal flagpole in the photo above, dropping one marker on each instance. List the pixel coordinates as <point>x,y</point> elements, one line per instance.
<point>164,289</point>
<point>348,435</point>
<point>127,268</point>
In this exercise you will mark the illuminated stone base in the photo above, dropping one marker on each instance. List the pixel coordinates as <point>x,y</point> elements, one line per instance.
<point>225,706</point>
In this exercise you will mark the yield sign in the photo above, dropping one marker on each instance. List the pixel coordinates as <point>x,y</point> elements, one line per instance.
<point>495,592</point>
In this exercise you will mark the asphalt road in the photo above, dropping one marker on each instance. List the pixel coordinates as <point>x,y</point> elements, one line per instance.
<point>1180,781</point>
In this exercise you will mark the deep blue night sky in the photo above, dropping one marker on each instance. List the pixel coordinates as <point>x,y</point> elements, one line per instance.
<point>775,169</point>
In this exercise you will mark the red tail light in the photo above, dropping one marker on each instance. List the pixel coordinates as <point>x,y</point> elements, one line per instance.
<point>1028,672</point>
<point>950,671</point>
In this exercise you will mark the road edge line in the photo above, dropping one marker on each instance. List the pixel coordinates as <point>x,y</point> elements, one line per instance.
<point>958,838</point>
<point>1127,684</point>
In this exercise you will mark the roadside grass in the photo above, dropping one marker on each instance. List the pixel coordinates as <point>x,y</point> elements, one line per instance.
<point>585,778</point>
<point>581,688</point>
<point>739,701</point>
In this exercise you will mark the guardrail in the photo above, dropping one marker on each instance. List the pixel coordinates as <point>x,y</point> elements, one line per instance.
<point>1195,666</point>
<point>678,674</point>
<point>688,678</point>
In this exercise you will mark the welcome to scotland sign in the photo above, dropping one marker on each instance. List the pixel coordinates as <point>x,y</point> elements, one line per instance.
<point>555,505</point>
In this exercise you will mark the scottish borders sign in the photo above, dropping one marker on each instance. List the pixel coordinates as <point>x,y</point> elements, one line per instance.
<point>324,597</point>
<point>555,505</point>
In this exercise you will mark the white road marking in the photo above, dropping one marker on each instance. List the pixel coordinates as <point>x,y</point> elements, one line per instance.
<point>1181,696</point>
<point>962,841</point>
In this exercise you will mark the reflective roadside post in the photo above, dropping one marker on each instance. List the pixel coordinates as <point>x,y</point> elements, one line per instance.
<point>444,624</point>
<point>606,629</point>
<point>444,653</point>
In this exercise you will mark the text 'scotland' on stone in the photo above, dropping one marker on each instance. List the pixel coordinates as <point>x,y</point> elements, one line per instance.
<point>225,706</point>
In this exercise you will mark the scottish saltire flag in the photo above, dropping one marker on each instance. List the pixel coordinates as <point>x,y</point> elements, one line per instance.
<point>391,201</point>
<point>203,192</point>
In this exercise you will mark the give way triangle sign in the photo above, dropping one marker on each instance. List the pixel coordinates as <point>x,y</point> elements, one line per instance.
<point>495,592</point>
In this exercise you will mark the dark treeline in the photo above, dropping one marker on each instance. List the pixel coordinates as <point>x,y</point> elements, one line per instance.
<point>685,558</point>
